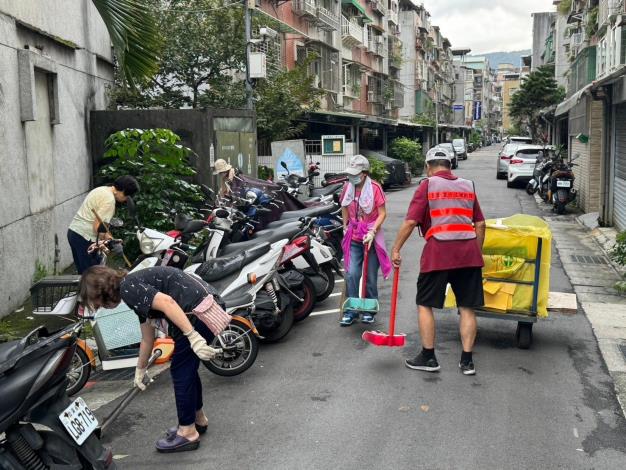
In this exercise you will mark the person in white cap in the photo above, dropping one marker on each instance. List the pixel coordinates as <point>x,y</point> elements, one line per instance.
<point>446,210</point>
<point>363,211</point>
<point>226,173</point>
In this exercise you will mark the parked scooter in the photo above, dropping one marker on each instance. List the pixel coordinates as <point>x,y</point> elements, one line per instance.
<point>40,427</point>
<point>562,190</point>
<point>540,182</point>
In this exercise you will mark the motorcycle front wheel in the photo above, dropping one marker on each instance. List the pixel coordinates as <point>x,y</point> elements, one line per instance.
<point>306,291</point>
<point>242,347</point>
<point>79,372</point>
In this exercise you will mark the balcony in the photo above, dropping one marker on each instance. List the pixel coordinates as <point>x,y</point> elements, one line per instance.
<point>582,71</point>
<point>398,95</point>
<point>327,20</point>
<point>305,8</point>
<point>351,33</point>
<point>607,9</point>
<point>379,6</point>
<point>374,97</point>
<point>376,45</point>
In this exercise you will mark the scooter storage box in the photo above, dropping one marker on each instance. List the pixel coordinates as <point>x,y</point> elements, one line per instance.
<point>55,295</point>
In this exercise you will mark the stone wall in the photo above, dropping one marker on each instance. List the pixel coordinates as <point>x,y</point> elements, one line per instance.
<point>55,64</point>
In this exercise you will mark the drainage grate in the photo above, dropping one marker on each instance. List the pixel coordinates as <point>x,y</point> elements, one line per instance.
<point>622,348</point>
<point>582,259</point>
<point>114,375</point>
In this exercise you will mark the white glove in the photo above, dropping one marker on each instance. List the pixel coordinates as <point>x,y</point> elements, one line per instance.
<point>200,347</point>
<point>369,238</point>
<point>141,378</point>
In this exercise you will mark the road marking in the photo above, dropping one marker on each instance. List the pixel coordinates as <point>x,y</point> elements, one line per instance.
<point>339,280</point>
<point>336,294</point>
<point>325,312</point>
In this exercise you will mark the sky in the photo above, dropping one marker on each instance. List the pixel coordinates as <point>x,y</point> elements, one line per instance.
<point>487,25</point>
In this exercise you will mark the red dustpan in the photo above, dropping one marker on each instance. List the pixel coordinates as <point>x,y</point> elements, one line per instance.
<point>378,338</point>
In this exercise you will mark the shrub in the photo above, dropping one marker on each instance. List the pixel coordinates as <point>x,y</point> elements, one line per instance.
<point>378,171</point>
<point>161,165</point>
<point>409,151</point>
<point>265,172</point>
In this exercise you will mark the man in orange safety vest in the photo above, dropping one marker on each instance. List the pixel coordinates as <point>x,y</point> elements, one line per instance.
<point>446,210</point>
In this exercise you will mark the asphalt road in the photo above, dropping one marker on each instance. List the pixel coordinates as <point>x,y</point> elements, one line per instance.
<point>323,398</point>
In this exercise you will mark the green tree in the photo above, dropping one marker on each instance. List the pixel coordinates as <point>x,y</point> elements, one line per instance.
<point>161,164</point>
<point>203,63</point>
<point>135,38</point>
<point>537,91</point>
<point>378,172</point>
<point>410,151</point>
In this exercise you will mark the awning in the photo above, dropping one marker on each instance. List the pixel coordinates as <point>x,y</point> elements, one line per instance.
<point>357,5</point>
<point>569,103</point>
<point>281,25</point>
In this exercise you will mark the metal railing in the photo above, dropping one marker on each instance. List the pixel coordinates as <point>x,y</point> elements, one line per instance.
<point>304,8</point>
<point>608,8</point>
<point>351,33</point>
<point>327,19</point>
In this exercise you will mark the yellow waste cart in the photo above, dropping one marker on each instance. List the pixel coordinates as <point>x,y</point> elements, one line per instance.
<point>516,276</point>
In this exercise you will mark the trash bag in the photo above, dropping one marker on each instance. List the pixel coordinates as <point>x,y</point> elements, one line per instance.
<point>509,253</point>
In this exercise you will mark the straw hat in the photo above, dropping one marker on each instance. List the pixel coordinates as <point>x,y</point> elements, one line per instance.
<point>221,166</point>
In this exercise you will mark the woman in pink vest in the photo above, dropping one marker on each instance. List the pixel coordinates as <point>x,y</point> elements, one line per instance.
<point>363,211</point>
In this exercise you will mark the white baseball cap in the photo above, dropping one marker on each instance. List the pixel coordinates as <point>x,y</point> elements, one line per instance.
<point>438,153</point>
<point>357,165</point>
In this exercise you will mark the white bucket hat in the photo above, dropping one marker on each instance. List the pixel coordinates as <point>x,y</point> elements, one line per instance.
<point>221,166</point>
<point>357,165</point>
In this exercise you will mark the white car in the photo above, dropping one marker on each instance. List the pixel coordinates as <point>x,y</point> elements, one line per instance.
<point>460,148</point>
<point>518,139</point>
<point>522,165</point>
<point>505,155</point>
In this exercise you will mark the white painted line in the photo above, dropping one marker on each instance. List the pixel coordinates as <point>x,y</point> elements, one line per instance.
<point>336,294</point>
<point>339,280</point>
<point>325,312</point>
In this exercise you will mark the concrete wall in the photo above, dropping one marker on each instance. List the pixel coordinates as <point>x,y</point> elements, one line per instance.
<point>542,23</point>
<point>408,20</point>
<point>44,147</point>
<point>561,65</point>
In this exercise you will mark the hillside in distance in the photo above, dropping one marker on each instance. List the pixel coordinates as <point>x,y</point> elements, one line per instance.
<point>496,58</point>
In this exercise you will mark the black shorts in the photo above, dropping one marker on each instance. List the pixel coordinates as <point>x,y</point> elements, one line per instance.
<point>467,285</point>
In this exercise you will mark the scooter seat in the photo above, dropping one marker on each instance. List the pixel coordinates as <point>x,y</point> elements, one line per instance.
<point>219,268</point>
<point>328,190</point>
<point>9,350</point>
<point>237,299</point>
<point>315,211</point>
<point>265,236</point>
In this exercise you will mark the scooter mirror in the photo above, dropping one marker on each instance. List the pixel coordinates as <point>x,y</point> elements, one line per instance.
<point>284,165</point>
<point>116,222</point>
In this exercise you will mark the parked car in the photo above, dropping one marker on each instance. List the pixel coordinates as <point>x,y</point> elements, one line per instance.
<point>504,157</point>
<point>519,139</point>
<point>460,147</point>
<point>450,148</point>
<point>522,165</point>
<point>396,169</point>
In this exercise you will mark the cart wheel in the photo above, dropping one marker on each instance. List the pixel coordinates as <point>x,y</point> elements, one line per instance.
<point>524,335</point>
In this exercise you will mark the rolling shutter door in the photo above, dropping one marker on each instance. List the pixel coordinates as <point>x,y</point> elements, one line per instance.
<point>619,193</point>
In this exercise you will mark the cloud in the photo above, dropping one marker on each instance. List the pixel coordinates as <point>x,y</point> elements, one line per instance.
<point>487,25</point>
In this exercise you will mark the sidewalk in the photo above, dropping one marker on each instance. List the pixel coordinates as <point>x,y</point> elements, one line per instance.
<point>584,254</point>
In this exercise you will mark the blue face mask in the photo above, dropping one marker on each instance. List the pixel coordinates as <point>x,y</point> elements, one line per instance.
<point>355,179</point>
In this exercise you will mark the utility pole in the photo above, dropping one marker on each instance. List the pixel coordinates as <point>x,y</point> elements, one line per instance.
<point>248,33</point>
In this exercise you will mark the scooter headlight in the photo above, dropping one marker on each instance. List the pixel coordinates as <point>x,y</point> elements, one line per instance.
<point>146,244</point>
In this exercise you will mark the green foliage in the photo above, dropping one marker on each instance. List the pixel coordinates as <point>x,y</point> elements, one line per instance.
<point>409,151</point>
<point>537,91</point>
<point>564,7</point>
<point>424,119</point>
<point>475,137</point>
<point>618,253</point>
<point>135,38</point>
<point>202,64</point>
<point>41,271</point>
<point>377,170</point>
<point>591,28</point>
<point>161,165</point>
<point>265,172</point>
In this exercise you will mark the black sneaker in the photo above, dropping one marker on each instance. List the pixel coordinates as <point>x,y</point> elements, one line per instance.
<point>467,368</point>
<point>421,363</point>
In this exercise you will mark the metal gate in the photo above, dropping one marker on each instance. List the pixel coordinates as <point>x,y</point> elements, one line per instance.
<point>619,182</point>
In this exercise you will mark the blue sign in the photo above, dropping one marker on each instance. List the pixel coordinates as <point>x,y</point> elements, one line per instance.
<point>294,163</point>
<point>478,110</point>
<point>458,107</point>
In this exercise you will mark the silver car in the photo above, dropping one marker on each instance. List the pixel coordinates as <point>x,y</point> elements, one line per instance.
<point>460,148</point>
<point>504,157</point>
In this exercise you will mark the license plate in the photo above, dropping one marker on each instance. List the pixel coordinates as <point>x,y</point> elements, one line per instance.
<point>563,184</point>
<point>79,420</point>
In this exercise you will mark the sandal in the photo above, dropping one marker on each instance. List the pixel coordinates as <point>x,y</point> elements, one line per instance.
<point>176,443</point>
<point>171,432</point>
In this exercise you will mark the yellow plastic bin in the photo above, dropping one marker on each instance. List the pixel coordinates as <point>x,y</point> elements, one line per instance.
<point>516,276</point>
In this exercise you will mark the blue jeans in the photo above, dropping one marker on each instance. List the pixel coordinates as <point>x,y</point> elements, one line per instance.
<point>353,276</point>
<point>184,370</point>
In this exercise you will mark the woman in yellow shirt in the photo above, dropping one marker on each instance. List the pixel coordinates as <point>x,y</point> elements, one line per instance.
<point>83,229</point>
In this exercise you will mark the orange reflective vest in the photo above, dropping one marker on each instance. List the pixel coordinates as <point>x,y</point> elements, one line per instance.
<point>451,205</point>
